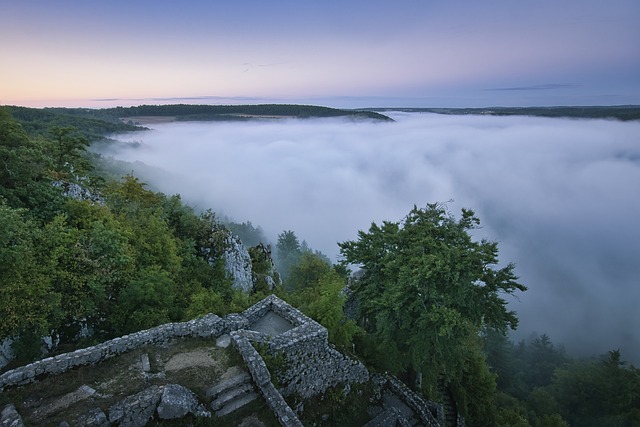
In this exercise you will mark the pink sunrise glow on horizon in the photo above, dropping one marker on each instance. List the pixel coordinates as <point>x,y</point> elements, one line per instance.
<point>74,53</point>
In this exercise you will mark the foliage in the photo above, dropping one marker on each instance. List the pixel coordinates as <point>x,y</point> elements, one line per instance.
<point>546,387</point>
<point>26,168</point>
<point>27,298</point>
<point>125,259</point>
<point>249,234</point>
<point>426,291</point>
<point>317,289</point>
<point>427,286</point>
<point>600,393</point>
<point>91,123</point>
<point>213,112</point>
<point>288,253</point>
<point>264,275</point>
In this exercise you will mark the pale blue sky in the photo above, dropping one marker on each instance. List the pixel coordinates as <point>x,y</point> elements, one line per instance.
<point>344,53</point>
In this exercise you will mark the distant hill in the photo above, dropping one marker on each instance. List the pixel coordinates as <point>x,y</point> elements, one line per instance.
<point>619,112</point>
<point>239,112</point>
<point>95,124</point>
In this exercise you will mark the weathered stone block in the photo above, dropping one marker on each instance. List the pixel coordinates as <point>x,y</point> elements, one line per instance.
<point>178,401</point>
<point>9,417</point>
<point>136,410</point>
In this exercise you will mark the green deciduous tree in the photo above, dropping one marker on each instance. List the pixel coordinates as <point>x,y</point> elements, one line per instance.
<point>26,169</point>
<point>426,287</point>
<point>317,289</point>
<point>28,301</point>
<point>69,152</point>
<point>144,302</point>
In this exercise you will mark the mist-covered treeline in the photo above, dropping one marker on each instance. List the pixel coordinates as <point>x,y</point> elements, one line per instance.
<point>538,384</point>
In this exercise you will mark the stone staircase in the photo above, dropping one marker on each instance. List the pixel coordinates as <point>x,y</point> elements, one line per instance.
<point>231,394</point>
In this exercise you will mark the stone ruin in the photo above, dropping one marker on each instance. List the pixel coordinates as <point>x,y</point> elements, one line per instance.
<point>312,367</point>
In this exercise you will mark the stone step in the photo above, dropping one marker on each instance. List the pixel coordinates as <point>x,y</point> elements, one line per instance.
<point>225,385</point>
<point>237,404</point>
<point>230,395</point>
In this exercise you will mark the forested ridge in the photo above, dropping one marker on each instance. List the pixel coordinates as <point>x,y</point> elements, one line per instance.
<point>94,124</point>
<point>618,112</point>
<point>84,257</point>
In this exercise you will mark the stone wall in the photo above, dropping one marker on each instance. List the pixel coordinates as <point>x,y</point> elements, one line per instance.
<point>262,378</point>
<point>313,366</point>
<point>278,306</point>
<point>429,413</point>
<point>206,326</point>
<point>310,374</point>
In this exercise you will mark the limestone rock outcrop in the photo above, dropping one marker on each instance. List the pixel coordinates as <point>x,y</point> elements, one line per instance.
<point>237,263</point>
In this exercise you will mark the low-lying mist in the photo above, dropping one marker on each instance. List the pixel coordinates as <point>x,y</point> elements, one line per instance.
<point>560,196</point>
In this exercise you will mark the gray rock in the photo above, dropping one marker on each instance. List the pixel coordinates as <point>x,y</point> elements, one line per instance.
<point>144,361</point>
<point>223,341</point>
<point>94,418</point>
<point>9,417</point>
<point>136,410</point>
<point>238,264</point>
<point>176,402</point>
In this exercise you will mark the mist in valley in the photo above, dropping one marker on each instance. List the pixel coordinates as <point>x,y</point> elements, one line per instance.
<point>560,196</point>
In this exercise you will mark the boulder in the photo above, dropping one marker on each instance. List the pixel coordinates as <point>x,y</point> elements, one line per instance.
<point>178,401</point>
<point>9,417</point>
<point>136,410</point>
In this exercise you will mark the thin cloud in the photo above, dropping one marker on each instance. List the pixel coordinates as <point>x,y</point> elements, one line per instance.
<point>560,197</point>
<point>550,86</point>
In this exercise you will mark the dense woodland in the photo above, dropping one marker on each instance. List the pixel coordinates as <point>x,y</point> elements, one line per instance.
<point>86,255</point>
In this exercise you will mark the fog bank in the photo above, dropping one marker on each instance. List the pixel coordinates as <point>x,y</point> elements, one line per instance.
<point>560,196</point>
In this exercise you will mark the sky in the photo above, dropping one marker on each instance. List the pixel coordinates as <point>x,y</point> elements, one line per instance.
<point>356,53</point>
<point>558,195</point>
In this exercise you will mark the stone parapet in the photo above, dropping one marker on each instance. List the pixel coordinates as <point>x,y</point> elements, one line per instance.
<point>311,373</point>
<point>206,326</point>
<point>312,365</point>
<point>262,378</point>
<point>429,413</point>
